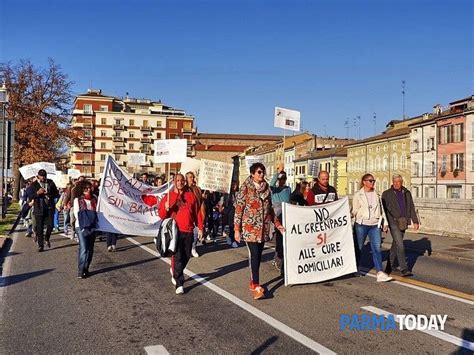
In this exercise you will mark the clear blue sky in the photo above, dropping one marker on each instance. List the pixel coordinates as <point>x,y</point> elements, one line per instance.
<point>229,63</point>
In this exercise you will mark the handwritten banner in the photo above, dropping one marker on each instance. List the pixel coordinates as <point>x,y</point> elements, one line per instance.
<point>215,175</point>
<point>60,179</point>
<point>318,243</point>
<point>136,159</point>
<point>74,173</point>
<point>127,205</point>
<point>31,170</point>
<point>170,150</point>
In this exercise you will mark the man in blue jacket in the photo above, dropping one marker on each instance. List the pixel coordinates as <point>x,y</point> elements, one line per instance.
<point>280,193</point>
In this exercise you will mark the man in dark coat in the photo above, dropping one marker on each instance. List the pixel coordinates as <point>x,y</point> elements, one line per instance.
<point>43,192</point>
<point>400,210</point>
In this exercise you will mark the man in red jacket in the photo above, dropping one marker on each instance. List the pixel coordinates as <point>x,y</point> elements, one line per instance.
<point>183,207</point>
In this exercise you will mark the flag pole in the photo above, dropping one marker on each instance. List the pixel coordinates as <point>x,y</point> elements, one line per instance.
<point>169,168</point>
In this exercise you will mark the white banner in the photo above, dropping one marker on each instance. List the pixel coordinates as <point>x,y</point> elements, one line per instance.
<point>136,159</point>
<point>31,170</point>
<point>252,159</point>
<point>287,119</point>
<point>191,164</point>
<point>60,179</point>
<point>74,173</point>
<point>170,150</point>
<point>318,242</point>
<point>126,205</point>
<point>215,175</point>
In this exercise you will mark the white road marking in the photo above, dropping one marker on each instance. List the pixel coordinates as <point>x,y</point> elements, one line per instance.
<point>156,350</point>
<point>435,333</point>
<point>419,288</point>
<point>292,333</point>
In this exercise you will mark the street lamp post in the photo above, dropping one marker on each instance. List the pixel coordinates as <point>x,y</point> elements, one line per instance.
<point>3,103</point>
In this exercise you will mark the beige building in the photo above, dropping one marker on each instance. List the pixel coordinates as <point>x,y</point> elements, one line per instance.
<point>122,127</point>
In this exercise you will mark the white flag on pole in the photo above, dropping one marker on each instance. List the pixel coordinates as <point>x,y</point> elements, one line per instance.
<point>170,150</point>
<point>287,119</point>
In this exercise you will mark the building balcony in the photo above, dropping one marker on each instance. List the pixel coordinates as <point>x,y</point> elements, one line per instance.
<point>87,162</point>
<point>118,127</point>
<point>191,152</point>
<point>87,149</point>
<point>118,151</point>
<point>145,140</point>
<point>119,144</point>
<point>116,138</point>
<point>87,144</point>
<point>87,125</point>
<point>146,151</point>
<point>146,129</point>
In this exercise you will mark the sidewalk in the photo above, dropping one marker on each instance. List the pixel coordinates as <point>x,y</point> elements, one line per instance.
<point>427,244</point>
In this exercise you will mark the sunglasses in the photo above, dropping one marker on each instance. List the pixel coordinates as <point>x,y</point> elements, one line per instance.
<point>260,172</point>
<point>371,181</point>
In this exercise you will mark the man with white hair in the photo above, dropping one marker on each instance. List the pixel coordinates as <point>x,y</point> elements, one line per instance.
<point>400,210</point>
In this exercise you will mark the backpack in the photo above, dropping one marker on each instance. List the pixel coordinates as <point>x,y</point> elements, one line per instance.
<point>167,238</point>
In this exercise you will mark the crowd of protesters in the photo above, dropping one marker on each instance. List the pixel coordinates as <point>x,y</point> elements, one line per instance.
<point>251,213</point>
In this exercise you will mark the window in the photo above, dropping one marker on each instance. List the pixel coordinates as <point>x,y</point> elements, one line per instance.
<point>415,191</point>
<point>403,161</point>
<point>187,125</point>
<point>416,167</point>
<point>444,160</point>
<point>385,184</point>
<point>377,149</point>
<point>173,124</point>
<point>101,169</point>
<point>472,162</point>
<point>103,120</point>
<point>356,165</point>
<point>385,147</point>
<point>370,150</point>
<point>87,133</point>
<point>371,164</point>
<point>131,146</point>
<point>131,134</point>
<point>350,187</point>
<point>350,166</point>
<point>103,145</point>
<point>103,133</point>
<point>158,124</point>
<point>158,135</point>
<point>385,163</point>
<point>394,146</point>
<point>457,162</point>
<point>377,163</point>
<point>328,167</point>
<point>303,169</point>
<point>104,108</point>
<point>102,157</point>
<point>132,122</point>
<point>87,109</point>
<point>394,162</point>
<point>415,146</point>
<point>432,168</point>
<point>118,121</point>
<point>362,164</point>
<point>454,191</point>
<point>430,145</point>
<point>451,133</point>
<point>145,123</point>
<point>404,145</point>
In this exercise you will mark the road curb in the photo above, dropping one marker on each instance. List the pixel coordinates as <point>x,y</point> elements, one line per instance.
<point>433,253</point>
<point>3,242</point>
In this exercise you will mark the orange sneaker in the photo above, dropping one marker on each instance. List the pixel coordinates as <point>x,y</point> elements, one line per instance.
<point>258,293</point>
<point>253,286</point>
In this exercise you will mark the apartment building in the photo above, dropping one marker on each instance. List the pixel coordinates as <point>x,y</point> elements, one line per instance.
<point>122,127</point>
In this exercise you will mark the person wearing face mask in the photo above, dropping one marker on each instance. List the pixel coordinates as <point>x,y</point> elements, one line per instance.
<point>253,215</point>
<point>369,215</point>
<point>43,193</point>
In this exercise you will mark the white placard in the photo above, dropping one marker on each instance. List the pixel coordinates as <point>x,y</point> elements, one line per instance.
<point>170,150</point>
<point>31,170</point>
<point>318,242</point>
<point>136,159</point>
<point>287,119</point>
<point>60,179</point>
<point>252,159</point>
<point>74,173</point>
<point>215,175</point>
<point>191,164</point>
<point>127,205</point>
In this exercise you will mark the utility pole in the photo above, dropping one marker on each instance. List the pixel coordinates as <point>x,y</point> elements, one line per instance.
<point>374,120</point>
<point>358,119</point>
<point>403,98</point>
<point>346,125</point>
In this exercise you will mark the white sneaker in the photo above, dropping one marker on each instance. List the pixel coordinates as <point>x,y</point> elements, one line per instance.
<point>194,253</point>
<point>109,248</point>
<point>171,271</point>
<point>180,290</point>
<point>383,277</point>
<point>113,247</point>
<point>235,245</point>
<point>208,237</point>
<point>173,281</point>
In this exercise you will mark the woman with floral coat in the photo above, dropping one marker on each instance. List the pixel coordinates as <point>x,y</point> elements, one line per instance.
<point>252,221</point>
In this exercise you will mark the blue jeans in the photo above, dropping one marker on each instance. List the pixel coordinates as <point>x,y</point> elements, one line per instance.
<point>86,250</point>
<point>375,238</point>
<point>67,219</point>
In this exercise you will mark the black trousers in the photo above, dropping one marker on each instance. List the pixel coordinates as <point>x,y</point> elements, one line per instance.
<point>182,256</point>
<point>255,258</point>
<point>278,244</point>
<point>42,221</point>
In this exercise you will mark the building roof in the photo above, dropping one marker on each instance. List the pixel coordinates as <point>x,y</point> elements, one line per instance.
<point>389,134</point>
<point>220,148</point>
<point>237,136</point>
<point>469,98</point>
<point>327,153</point>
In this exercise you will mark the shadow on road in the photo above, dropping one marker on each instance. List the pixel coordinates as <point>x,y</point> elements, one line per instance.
<point>14,279</point>
<point>265,345</point>
<point>121,266</point>
<point>467,337</point>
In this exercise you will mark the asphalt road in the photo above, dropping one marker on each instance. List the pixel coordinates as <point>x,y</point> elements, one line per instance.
<point>129,304</point>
